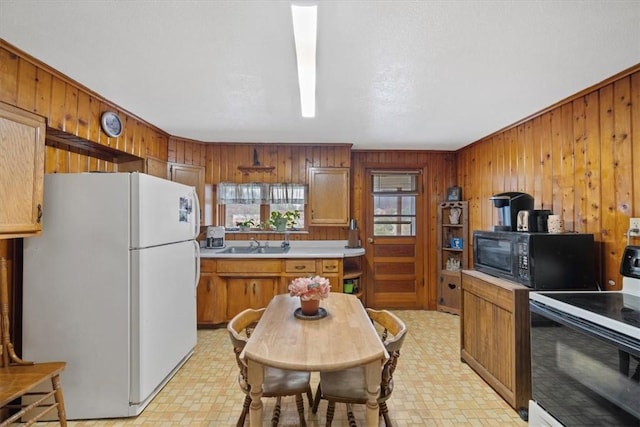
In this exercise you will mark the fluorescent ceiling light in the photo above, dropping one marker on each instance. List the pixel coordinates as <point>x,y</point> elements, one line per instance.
<point>305,23</point>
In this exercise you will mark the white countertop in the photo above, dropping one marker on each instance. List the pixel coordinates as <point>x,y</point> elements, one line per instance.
<point>298,249</point>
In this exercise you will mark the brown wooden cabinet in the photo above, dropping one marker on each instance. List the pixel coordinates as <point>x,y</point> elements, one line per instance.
<point>494,335</point>
<point>22,136</point>
<point>249,292</point>
<point>150,166</point>
<point>328,196</point>
<point>211,295</point>
<point>228,286</point>
<point>452,257</point>
<point>190,175</point>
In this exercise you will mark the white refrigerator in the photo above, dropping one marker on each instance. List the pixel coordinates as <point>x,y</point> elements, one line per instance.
<point>110,288</point>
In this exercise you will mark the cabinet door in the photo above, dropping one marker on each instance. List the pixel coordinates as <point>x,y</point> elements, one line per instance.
<point>211,300</point>
<point>22,137</point>
<point>190,175</point>
<point>159,168</point>
<point>329,196</point>
<point>249,292</point>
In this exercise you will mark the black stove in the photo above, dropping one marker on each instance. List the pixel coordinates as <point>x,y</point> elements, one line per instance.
<point>616,306</point>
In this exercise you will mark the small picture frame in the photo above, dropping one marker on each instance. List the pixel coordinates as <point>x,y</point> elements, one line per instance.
<point>454,194</point>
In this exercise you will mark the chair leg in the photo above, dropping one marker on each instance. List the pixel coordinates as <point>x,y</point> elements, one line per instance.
<point>310,396</point>
<point>300,405</point>
<point>62,413</point>
<point>316,400</point>
<point>385,414</point>
<point>350,417</point>
<point>331,408</point>
<point>276,413</point>
<point>245,410</point>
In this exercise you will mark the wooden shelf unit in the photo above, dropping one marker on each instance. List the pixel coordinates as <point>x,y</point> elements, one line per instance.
<point>449,279</point>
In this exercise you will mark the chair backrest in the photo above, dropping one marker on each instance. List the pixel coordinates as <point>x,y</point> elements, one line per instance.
<point>398,329</point>
<point>240,328</point>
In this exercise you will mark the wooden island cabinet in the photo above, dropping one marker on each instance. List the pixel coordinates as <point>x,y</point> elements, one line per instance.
<point>494,335</point>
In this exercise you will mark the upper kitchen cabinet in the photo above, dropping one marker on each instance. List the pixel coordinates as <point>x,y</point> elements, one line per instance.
<point>329,196</point>
<point>22,136</point>
<point>190,175</point>
<point>150,166</point>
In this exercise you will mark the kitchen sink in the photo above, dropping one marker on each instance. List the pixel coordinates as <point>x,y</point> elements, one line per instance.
<point>255,250</point>
<point>238,250</point>
<point>271,250</point>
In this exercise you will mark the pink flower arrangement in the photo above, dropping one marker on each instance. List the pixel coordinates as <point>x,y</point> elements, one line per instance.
<point>308,288</point>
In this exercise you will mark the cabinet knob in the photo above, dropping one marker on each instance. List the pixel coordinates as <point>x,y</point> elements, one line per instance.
<point>39,212</point>
<point>299,267</point>
<point>452,286</point>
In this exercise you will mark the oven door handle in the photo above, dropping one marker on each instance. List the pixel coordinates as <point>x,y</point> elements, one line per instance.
<point>617,339</point>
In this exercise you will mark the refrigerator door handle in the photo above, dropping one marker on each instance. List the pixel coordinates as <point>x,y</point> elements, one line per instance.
<point>196,225</point>
<point>196,244</point>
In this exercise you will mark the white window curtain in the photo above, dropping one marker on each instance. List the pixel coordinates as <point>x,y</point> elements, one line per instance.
<point>261,193</point>
<point>288,193</point>
<point>248,194</point>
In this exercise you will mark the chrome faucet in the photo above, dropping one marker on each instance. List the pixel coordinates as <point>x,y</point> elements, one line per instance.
<point>252,241</point>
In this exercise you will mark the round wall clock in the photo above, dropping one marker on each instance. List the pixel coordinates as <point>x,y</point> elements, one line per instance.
<point>111,124</point>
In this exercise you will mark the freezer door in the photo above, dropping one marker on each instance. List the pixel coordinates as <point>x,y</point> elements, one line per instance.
<point>162,211</point>
<point>163,314</point>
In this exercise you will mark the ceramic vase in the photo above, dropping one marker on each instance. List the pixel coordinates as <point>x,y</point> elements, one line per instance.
<point>310,307</point>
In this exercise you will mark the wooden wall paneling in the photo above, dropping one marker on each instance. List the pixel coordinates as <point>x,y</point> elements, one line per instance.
<point>94,119</point>
<point>171,150</point>
<point>42,102</point>
<point>536,163</point>
<point>580,171</point>
<point>623,170</point>
<point>546,164</point>
<point>527,140</point>
<point>58,97</point>
<point>568,168</point>
<point>8,77</point>
<point>522,162</point>
<point>511,161</point>
<point>556,144</point>
<point>607,227</point>
<point>26,96</point>
<point>592,156</point>
<point>635,137</point>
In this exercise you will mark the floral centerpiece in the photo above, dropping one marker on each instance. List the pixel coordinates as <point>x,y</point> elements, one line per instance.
<point>310,290</point>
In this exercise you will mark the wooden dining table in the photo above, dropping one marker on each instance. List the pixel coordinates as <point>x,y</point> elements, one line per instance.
<point>343,339</point>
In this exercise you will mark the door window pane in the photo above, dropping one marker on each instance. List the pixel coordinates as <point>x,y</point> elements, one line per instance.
<point>394,203</point>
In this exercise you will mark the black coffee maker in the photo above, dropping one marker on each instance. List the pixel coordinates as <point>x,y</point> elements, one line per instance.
<point>509,204</point>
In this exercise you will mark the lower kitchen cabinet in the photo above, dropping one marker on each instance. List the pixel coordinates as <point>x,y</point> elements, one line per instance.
<point>211,295</point>
<point>249,292</point>
<point>228,286</point>
<point>494,335</point>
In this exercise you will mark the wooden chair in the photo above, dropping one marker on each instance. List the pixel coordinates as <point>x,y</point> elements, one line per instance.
<point>277,382</point>
<point>349,386</point>
<point>19,378</point>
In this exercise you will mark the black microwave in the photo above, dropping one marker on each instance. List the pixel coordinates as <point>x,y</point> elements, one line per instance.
<point>541,261</point>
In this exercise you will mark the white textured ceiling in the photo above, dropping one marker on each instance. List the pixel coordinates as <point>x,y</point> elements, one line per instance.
<point>391,74</point>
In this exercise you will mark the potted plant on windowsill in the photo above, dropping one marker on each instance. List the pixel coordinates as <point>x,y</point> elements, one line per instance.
<point>246,224</point>
<point>283,220</point>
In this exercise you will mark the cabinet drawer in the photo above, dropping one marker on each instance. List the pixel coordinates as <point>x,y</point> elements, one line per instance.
<point>249,266</point>
<point>207,265</point>
<point>330,266</point>
<point>300,266</point>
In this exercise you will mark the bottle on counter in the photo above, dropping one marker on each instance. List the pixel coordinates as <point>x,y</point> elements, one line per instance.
<point>354,238</point>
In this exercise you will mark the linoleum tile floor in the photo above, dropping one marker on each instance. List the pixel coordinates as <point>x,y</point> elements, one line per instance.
<point>432,386</point>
